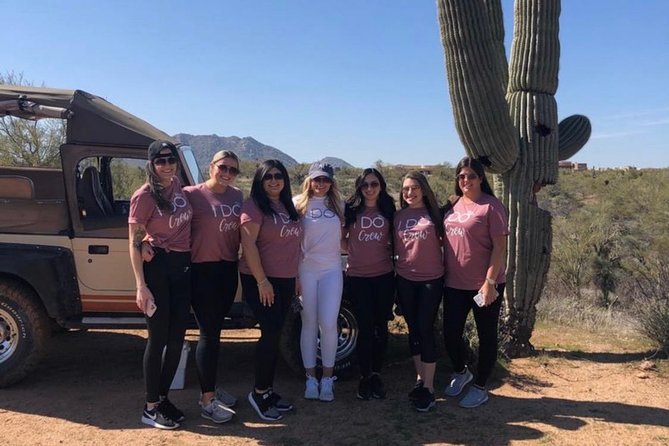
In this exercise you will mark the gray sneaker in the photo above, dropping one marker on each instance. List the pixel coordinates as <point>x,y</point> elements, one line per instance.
<point>216,411</point>
<point>458,382</point>
<point>224,397</point>
<point>474,398</point>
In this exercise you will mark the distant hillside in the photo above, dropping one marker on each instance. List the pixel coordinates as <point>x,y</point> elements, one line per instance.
<point>204,147</point>
<point>335,162</point>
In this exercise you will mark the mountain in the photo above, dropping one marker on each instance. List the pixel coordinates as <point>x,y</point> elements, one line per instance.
<point>204,147</point>
<point>337,163</point>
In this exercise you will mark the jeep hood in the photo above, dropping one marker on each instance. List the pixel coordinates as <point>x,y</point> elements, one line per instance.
<point>91,120</point>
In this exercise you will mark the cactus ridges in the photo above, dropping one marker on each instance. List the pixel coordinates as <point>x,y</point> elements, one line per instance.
<point>574,133</point>
<point>477,93</point>
<point>520,134</point>
<point>535,51</point>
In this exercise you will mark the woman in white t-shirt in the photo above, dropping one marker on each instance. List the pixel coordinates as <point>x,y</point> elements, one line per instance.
<point>320,275</point>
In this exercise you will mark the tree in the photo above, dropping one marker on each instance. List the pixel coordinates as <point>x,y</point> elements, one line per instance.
<point>29,143</point>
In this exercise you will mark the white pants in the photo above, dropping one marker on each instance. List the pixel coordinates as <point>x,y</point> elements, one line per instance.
<point>321,297</point>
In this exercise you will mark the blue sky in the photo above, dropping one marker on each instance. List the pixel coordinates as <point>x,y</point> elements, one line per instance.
<point>363,80</point>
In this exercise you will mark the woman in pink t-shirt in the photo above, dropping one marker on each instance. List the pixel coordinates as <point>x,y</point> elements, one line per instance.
<point>215,252</point>
<point>475,229</point>
<point>161,214</point>
<point>271,235</point>
<point>419,267</point>
<point>369,270</point>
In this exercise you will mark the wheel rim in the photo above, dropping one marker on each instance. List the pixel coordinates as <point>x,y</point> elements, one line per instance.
<point>9,336</point>
<point>347,334</point>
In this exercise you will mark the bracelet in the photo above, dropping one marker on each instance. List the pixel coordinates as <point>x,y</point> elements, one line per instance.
<point>490,281</point>
<point>262,282</point>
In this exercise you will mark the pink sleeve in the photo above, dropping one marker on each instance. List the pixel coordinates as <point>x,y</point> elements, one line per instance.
<point>250,213</point>
<point>497,220</point>
<point>141,207</point>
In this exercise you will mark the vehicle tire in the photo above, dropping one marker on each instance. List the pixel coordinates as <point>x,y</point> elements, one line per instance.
<point>24,330</point>
<point>345,360</point>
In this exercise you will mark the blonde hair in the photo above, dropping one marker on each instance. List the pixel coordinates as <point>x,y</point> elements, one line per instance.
<point>333,200</point>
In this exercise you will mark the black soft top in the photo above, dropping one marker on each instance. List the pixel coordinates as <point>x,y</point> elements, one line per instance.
<point>91,120</point>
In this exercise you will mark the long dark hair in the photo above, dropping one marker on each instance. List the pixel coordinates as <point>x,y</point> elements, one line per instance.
<point>356,202</point>
<point>260,196</point>
<point>428,198</point>
<point>478,168</point>
<point>156,188</point>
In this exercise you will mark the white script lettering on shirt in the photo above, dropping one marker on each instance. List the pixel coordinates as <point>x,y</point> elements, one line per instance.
<point>224,210</point>
<point>367,223</point>
<point>408,232</point>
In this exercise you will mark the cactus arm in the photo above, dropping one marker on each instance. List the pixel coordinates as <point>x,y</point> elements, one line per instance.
<point>574,133</point>
<point>476,83</point>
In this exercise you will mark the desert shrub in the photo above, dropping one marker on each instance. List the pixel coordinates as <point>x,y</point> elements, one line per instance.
<point>653,322</point>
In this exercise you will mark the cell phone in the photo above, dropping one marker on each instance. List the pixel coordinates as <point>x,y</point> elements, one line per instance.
<point>479,299</point>
<point>151,308</point>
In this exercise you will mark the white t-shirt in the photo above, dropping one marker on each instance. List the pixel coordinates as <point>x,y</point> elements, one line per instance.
<point>321,243</point>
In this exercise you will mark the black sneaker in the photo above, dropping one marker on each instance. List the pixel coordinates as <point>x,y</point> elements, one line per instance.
<point>171,410</point>
<point>157,418</point>
<point>279,403</point>
<point>262,403</point>
<point>416,390</point>
<point>424,400</point>
<point>378,390</point>
<point>364,389</point>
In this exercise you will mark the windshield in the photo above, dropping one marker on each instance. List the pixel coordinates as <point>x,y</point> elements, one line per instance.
<point>191,167</point>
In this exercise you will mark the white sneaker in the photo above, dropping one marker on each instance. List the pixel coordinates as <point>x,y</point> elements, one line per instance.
<point>311,388</point>
<point>327,389</point>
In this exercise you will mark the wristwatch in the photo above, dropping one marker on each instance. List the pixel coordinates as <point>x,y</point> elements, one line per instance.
<point>490,281</point>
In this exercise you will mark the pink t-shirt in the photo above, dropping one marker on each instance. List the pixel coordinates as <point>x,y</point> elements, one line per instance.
<point>278,240</point>
<point>417,246</point>
<point>469,230</point>
<point>369,245</point>
<point>166,229</point>
<point>215,224</point>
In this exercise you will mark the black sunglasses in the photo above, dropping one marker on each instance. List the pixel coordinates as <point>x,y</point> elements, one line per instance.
<point>163,160</point>
<point>270,176</point>
<point>468,176</point>
<point>228,169</point>
<point>372,185</point>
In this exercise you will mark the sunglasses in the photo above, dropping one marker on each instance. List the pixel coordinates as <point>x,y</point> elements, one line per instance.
<point>321,180</point>
<point>370,185</point>
<point>407,189</point>
<point>228,169</point>
<point>272,176</point>
<point>164,160</point>
<point>468,176</point>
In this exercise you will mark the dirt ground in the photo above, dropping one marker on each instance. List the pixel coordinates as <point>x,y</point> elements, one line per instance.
<point>582,388</point>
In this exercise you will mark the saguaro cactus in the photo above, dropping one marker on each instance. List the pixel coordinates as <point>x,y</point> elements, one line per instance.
<point>506,116</point>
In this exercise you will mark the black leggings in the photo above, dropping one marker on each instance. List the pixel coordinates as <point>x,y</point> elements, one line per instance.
<point>457,304</point>
<point>373,299</point>
<point>168,278</point>
<point>419,302</point>
<point>270,318</point>
<point>214,288</point>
